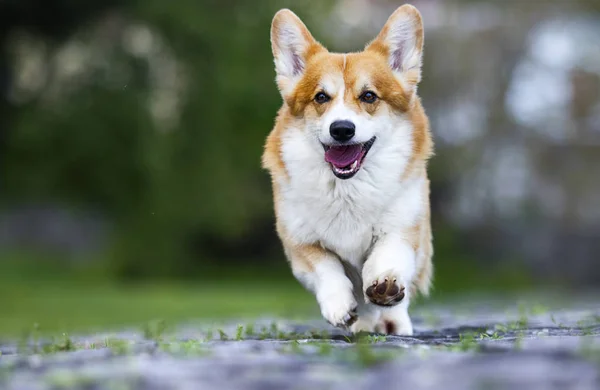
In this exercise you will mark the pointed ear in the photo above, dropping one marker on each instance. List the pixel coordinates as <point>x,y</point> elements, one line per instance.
<point>292,44</point>
<point>401,41</point>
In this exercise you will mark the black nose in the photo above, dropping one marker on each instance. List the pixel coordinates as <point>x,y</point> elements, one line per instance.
<point>342,130</point>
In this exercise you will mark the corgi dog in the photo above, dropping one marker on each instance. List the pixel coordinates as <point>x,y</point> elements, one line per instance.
<point>348,161</point>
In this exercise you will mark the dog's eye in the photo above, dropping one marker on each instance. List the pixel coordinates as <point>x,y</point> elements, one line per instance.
<point>321,98</point>
<point>368,97</point>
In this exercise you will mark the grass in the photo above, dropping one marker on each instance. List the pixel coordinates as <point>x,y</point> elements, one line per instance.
<point>154,330</point>
<point>367,356</point>
<point>66,299</point>
<point>360,351</point>
<point>324,348</point>
<point>222,335</point>
<point>467,342</point>
<point>376,338</point>
<point>118,346</point>
<point>488,336</point>
<point>186,348</point>
<point>249,330</point>
<point>239,334</point>
<point>71,304</point>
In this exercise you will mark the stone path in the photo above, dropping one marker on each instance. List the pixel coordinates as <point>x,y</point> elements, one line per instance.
<point>479,348</point>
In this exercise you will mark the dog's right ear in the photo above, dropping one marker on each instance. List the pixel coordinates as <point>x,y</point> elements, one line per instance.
<point>292,44</point>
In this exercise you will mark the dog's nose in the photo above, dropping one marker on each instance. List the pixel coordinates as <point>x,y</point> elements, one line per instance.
<point>342,131</point>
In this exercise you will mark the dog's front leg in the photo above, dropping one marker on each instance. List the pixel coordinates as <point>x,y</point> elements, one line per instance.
<point>321,272</point>
<point>387,277</point>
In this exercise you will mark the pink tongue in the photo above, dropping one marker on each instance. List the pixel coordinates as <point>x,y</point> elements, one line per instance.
<point>342,156</point>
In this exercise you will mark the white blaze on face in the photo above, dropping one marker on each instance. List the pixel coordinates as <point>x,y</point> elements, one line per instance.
<point>334,86</point>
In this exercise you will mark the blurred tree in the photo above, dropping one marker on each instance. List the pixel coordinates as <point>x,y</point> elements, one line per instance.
<point>152,113</point>
<point>54,19</point>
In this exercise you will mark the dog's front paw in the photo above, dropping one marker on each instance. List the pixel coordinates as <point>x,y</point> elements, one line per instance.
<point>386,291</point>
<point>339,309</point>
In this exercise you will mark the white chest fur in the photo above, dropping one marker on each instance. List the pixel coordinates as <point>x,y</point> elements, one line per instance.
<point>346,216</point>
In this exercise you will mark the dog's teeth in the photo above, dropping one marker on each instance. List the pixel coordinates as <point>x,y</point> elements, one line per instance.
<point>352,168</point>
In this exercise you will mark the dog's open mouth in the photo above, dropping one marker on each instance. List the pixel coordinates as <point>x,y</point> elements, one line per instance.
<point>346,160</point>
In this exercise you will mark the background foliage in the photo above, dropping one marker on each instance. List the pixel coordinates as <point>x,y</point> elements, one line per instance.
<point>131,135</point>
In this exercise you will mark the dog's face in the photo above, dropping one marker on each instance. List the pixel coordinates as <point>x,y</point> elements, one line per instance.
<point>345,103</point>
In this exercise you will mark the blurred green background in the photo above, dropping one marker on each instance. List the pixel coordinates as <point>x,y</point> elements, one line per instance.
<point>131,134</point>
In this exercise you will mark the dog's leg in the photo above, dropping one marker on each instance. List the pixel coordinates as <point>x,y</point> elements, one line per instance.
<point>395,320</point>
<point>322,273</point>
<point>368,315</point>
<point>368,319</point>
<point>387,278</point>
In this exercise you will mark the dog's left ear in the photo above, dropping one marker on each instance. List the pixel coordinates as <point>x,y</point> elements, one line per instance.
<point>401,41</point>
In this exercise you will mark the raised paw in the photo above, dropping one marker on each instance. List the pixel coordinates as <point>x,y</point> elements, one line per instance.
<point>386,293</point>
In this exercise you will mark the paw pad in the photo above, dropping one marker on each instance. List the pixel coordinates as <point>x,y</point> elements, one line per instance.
<point>385,294</point>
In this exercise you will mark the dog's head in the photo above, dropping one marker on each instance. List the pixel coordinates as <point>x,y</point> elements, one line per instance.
<point>344,104</point>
